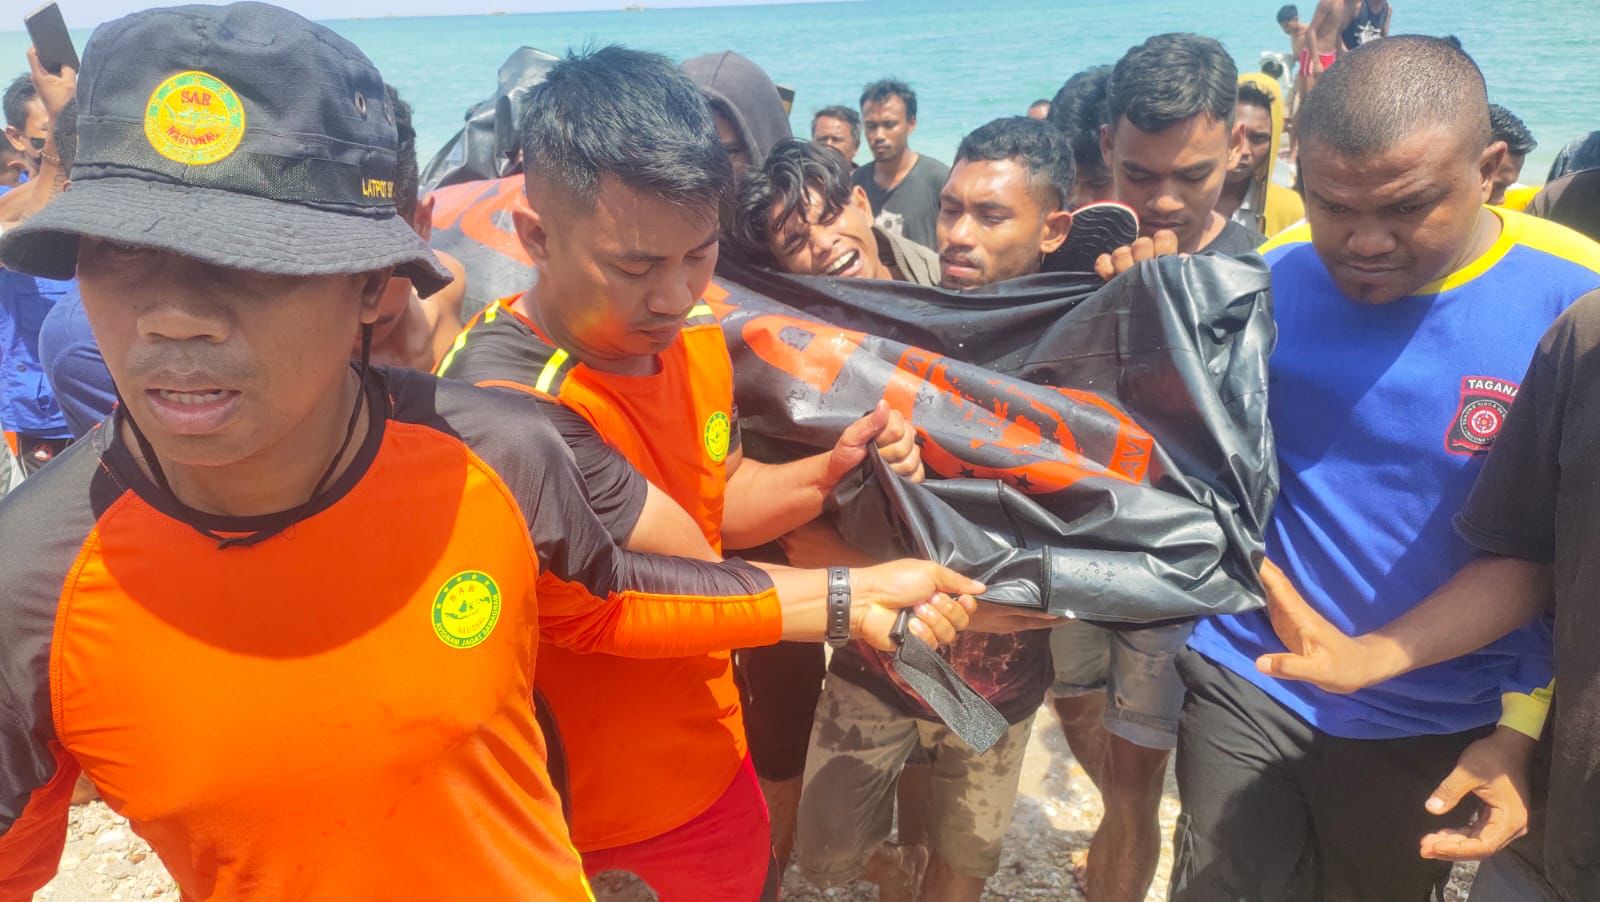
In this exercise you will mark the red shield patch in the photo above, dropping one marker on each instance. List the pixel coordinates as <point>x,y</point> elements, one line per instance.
<point>1480,416</point>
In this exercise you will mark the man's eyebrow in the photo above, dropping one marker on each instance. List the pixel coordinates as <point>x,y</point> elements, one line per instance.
<point>647,257</point>
<point>1200,168</point>
<point>1424,195</point>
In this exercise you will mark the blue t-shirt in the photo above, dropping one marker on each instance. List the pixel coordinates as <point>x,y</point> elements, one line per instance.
<point>1383,415</point>
<point>26,403</point>
<point>74,367</point>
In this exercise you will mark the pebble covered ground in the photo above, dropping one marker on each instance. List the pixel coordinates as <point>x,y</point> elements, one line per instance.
<point>1057,810</point>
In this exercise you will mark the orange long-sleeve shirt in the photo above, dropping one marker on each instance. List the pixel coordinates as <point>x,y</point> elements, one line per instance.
<point>341,711</point>
<point>626,722</point>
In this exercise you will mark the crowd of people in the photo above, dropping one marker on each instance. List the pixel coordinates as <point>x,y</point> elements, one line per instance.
<point>337,588</point>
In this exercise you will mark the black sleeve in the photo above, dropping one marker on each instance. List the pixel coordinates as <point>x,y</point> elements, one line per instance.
<point>616,490</point>
<point>1512,508</point>
<point>593,595</point>
<point>44,523</point>
<point>574,546</point>
<point>501,355</point>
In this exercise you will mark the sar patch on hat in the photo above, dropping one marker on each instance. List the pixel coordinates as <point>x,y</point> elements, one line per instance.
<point>194,118</point>
<point>1485,403</point>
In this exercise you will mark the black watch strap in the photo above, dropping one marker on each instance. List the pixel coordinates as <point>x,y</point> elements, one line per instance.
<point>838,606</point>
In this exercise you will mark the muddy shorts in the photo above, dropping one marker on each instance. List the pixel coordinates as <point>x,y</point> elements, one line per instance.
<point>858,745</point>
<point>1136,671</point>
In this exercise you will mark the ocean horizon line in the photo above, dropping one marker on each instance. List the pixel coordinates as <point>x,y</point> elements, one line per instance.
<point>562,10</point>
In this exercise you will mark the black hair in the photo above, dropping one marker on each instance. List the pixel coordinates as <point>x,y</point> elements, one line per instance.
<point>1272,68</point>
<point>630,114</point>
<point>18,94</point>
<point>65,133</point>
<point>1039,146</point>
<point>1505,126</point>
<point>1040,102</point>
<point>1384,91</point>
<point>1288,13</point>
<point>1453,41</point>
<point>1079,110</point>
<point>406,182</point>
<point>1255,96</point>
<point>843,114</point>
<point>883,89</point>
<point>1171,78</point>
<point>793,167</point>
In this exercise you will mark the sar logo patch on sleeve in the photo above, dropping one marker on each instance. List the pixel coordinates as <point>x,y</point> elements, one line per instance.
<point>718,433</point>
<point>194,118</point>
<point>1480,415</point>
<point>466,608</point>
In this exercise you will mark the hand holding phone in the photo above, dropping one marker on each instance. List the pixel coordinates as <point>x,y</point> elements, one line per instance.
<point>48,31</point>
<point>55,89</point>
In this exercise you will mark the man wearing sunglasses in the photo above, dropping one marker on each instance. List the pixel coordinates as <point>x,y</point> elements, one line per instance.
<point>27,122</point>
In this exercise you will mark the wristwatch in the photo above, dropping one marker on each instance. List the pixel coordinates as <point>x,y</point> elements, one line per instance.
<point>838,607</point>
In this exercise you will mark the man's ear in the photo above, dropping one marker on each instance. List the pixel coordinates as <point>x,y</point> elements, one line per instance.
<point>529,223</point>
<point>859,200</point>
<point>1105,145</point>
<point>372,288</point>
<point>1057,226</point>
<point>1488,165</point>
<point>423,225</point>
<point>14,137</point>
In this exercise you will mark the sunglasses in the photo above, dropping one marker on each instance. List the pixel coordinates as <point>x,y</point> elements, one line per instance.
<point>38,143</point>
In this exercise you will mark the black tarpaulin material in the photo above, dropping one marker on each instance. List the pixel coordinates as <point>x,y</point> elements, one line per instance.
<point>1097,452</point>
<point>1100,452</point>
<point>1094,451</point>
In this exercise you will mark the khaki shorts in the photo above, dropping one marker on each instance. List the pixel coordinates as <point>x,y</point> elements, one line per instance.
<point>858,746</point>
<point>1137,671</point>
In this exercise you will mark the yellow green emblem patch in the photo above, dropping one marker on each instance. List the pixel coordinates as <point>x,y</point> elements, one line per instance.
<point>718,432</point>
<point>194,118</point>
<point>466,609</point>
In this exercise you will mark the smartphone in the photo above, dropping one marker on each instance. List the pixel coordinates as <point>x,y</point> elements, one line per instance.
<point>48,31</point>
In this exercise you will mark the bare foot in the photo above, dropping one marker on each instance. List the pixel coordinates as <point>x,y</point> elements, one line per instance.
<point>84,791</point>
<point>897,870</point>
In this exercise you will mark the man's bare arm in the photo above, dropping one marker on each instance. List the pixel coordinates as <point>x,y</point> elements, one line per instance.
<point>1484,601</point>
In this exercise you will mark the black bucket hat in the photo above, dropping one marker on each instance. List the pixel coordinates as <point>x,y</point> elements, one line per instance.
<point>243,136</point>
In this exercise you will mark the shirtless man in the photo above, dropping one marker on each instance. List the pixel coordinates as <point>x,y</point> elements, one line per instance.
<point>1323,41</point>
<point>1289,21</point>
<point>1316,46</point>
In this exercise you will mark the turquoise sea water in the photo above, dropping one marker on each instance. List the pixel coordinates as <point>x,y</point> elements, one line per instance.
<point>970,62</point>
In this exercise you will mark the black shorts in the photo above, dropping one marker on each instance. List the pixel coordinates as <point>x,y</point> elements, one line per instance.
<point>779,686</point>
<point>1274,808</point>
